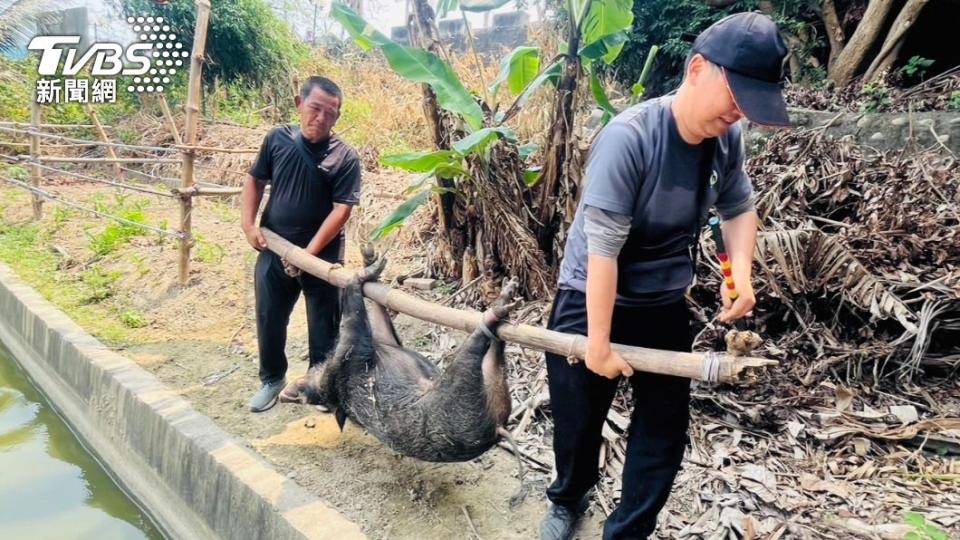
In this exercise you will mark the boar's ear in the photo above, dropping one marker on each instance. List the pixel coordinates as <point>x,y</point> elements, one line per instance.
<point>341,417</point>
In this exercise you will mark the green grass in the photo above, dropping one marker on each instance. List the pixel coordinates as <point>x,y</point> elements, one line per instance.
<point>115,233</point>
<point>227,213</point>
<point>207,252</point>
<point>132,318</point>
<point>97,284</point>
<point>953,104</point>
<point>88,296</point>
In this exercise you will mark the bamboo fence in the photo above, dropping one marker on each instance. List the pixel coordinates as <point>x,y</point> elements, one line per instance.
<point>183,189</point>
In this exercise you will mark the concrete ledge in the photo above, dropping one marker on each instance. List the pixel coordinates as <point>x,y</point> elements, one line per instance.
<point>193,478</point>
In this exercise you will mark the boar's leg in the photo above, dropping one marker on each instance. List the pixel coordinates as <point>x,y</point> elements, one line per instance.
<point>494,369</point>
<point>354,340</point>
<point>480,357</point>
<point>380,322</point>
<point>494,372</point>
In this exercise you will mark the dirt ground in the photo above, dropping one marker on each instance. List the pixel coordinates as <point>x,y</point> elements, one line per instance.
<point>200,341</point>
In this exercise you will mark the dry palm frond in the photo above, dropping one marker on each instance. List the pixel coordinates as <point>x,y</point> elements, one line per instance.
<point>837,269</point>
<point>788,249</point>
<point>813,260</point>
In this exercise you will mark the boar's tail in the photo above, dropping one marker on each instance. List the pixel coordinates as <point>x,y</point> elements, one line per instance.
<point>517,498</point>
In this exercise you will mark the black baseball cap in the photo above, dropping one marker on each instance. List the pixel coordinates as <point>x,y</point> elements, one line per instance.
<point>751,50</point>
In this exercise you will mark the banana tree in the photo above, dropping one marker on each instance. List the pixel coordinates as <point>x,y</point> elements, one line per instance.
<point>598,32</point>
<point>466,170</point>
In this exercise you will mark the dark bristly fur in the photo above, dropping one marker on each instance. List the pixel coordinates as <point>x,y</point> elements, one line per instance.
<point>401,397</point>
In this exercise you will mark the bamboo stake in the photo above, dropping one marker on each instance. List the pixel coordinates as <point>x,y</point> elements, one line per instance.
<point>35,173</point>
<point>192,110</point>
<point>103,137</point>
<point>691,365</point>
<point>169,116</point>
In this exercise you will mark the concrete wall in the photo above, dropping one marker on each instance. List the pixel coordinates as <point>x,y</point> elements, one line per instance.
<point>883,131</point>
<point>508,31</point>
<point>191,476</point>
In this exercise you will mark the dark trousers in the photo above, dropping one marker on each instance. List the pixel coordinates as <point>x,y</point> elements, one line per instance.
<point>276,294</point>
<point>580,400</point>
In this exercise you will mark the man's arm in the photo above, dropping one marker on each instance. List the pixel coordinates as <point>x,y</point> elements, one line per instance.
<point>601,295</point>
<point>330,228</point>
<point>606,233</point>
<point>250,198</point>
<point>613,175</point>
<point>740,237</point>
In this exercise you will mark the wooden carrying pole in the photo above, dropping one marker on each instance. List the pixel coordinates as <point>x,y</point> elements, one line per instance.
<point>35,173</point>
<point>190,136</point>
<point>714,367</point>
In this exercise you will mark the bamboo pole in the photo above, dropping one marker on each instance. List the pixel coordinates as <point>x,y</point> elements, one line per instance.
<point>88,142</point>
<point>203,191</point>
<point>35,173</point>
<point>169,116</point>
<point>192,110</point>
<point>31,125</point>
<point>702,366</point>
<point>56,159</point>
<point>103,137</point>
<point>13,143</point>
<point>216,149</point>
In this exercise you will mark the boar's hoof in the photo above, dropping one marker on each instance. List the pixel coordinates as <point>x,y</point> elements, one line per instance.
<point>505,303</point>
<point>369,255</point>
<point>372,272</point>
<point>294,392</point>
<point>742,342</point>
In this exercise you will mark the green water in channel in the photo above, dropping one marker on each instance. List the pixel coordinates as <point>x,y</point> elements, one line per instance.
<point>51,488</point>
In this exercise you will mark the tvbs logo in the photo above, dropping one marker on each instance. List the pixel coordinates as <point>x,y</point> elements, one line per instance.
<point>151,62</point>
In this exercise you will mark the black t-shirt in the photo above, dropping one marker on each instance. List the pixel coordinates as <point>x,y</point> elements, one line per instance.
<point>301,198</point>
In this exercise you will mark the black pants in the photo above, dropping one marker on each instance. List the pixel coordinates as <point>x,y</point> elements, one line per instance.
<point>580,400</point>
<point>276,294</point>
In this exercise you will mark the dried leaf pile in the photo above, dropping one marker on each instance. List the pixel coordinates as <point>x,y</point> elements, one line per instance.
<point>932,94</point>
<point>857,275</point>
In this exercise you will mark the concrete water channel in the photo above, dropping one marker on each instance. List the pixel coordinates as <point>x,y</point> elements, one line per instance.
<point>143,463</point>
<point>50,485</point>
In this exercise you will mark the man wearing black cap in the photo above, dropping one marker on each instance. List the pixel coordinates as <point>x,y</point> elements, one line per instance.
<point>652,174</point>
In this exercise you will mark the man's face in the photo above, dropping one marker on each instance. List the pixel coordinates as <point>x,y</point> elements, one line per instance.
<point>715,109</point>
<point>318,114</point>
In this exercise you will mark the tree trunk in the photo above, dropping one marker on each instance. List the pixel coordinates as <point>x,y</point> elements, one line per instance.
<point>558,149</point>
<point>891,45</point>
<point>422,27</point>
<point>852,57</point>
<point>446,258</point>
<point>794,59</point>
<point>833,28</point>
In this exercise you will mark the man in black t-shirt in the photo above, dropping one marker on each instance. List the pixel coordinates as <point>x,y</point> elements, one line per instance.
<point>315,182</point>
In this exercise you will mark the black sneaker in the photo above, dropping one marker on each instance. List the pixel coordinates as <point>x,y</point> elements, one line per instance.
<point>561,521</point>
